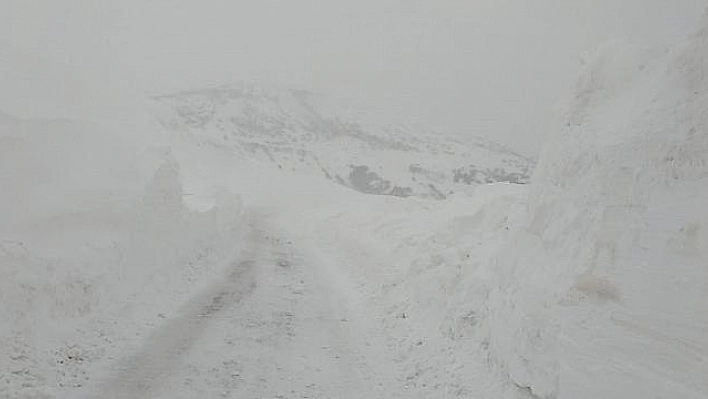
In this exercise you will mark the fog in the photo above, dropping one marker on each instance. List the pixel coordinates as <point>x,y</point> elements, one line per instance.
<point>494,68</point>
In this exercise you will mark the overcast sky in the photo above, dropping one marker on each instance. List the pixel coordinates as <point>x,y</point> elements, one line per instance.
<point>494,68</point>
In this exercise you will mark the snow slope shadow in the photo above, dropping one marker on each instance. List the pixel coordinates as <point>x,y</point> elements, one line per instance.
<point>140,374</point>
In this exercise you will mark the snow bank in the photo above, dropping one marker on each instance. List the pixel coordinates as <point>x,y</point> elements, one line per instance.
<point>421,272</point>
<point>604,292</point>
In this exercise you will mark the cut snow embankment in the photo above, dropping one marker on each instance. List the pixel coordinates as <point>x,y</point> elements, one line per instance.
<point>604,291</point>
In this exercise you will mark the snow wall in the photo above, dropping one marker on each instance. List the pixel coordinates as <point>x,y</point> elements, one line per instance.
<point>604,291</point>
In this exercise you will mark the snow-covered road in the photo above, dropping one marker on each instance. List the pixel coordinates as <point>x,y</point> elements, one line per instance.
<point>279,323</point>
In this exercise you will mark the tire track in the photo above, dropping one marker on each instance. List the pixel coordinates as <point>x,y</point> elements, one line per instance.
<point>140,374</point>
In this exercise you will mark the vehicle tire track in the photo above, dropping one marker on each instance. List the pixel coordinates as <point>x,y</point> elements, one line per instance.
<point>141,373</point>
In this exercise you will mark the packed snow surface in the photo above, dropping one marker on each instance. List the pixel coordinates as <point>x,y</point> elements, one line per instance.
<point>209,244</point>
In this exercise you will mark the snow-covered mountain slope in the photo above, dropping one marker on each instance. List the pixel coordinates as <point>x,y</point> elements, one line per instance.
<point>604,292</point>
<point>307,133</point>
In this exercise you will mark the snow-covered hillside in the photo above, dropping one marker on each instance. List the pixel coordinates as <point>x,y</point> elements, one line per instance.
<point>308,133</point>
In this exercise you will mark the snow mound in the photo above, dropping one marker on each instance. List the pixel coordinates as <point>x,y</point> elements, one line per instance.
<point>604,292</point>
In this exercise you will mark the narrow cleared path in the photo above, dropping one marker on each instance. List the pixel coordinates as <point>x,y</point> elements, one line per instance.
<point>280,323</point>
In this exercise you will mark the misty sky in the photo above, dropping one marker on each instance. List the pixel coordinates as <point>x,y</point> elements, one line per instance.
<point>494,68</point>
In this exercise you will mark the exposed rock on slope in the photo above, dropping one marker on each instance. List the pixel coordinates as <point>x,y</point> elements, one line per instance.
<point>304,132</point>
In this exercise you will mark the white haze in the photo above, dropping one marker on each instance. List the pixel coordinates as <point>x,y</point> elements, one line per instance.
<point>494,68</point>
